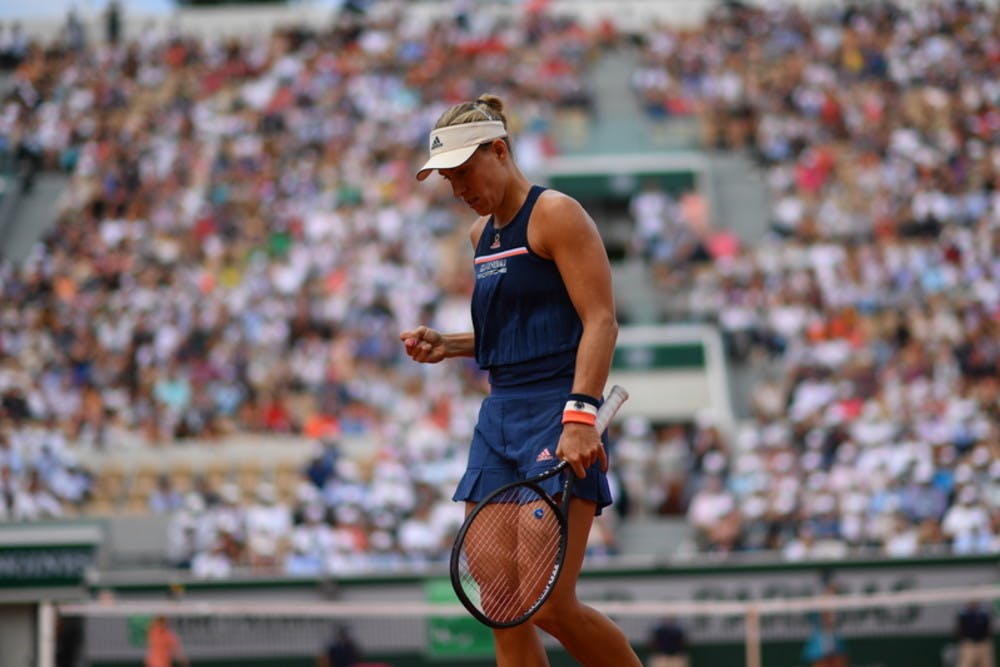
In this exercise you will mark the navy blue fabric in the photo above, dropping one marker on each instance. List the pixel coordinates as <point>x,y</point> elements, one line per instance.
<point>525,325</point>
<point>516,437</point>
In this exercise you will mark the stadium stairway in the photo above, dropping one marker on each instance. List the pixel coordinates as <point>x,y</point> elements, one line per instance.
<point>734,186</point>
<point>737,195</point>
<point>637,298</point>
<point>739,202</point>
<point>619,125</point>
<point>28,215</point>
<point>614,130</point>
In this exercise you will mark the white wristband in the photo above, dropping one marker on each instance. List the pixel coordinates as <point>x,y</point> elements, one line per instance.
<point>580,406</point>
<point>579,412</point>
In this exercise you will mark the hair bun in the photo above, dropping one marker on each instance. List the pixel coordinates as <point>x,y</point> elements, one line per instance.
<point>492,101</point>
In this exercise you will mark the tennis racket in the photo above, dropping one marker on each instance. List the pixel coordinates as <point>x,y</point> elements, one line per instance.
<point>509,551</point>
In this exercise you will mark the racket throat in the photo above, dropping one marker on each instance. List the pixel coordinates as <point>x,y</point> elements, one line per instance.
<point>564,497</point>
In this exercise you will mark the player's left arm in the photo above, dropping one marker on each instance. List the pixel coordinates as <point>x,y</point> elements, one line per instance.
<point>568,235</point>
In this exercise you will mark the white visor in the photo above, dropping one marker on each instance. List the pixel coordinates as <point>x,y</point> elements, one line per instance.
<point>453,145</point>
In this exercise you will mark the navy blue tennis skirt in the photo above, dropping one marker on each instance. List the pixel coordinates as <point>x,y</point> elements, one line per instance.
<point>516,437</point>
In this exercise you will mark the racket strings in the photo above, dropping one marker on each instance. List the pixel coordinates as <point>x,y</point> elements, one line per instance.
<point>509,555</point>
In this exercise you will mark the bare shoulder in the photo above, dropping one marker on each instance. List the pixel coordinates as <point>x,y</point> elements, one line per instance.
<point>562,220</point>
<point>560,206</point>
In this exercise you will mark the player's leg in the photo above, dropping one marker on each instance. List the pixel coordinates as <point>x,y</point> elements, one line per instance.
<point>588,635</point>
<point>519,646</point>
<point>491,554</point>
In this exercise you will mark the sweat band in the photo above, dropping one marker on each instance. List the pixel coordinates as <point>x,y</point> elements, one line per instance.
<point>579,412</point>
<point>586,398</point>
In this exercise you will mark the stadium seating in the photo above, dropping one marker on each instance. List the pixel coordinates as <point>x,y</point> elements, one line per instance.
<point>242,239</point>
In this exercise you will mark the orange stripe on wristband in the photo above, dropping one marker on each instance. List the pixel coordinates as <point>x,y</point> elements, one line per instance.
<point>578,417</point>
<point>580,406</point>
<point>579,412</point>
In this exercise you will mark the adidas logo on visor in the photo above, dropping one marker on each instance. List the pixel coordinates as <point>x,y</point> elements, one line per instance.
<point>452,145</point>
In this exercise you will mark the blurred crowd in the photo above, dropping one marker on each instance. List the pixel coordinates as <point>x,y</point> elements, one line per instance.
<point>873,304</point>
<point>242,240</point>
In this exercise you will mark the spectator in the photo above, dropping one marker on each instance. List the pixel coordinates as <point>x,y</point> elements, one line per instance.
<point>825,646</point>
<point>163,647</point>
<point>69,634</point>
<point>113,22</point>
<point>420,536</point>
<point>808,545</point>
<point>214,562</point>
<point>967,524</point>
<point>709,509</point>
<point>302,560</point>
<point>654,213</point>
<point>904,541</point>
<point>341,651</point>
<point>14,45</point>
<point>34,501</point>
<point>268,528</point>
<point>974,630</point>
<point>311,540</point>
<point>668,644</point>
<point>165,499</point>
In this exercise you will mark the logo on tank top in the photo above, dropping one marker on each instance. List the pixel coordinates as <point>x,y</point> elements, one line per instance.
<point>496,241</point>
<point>496,263</point>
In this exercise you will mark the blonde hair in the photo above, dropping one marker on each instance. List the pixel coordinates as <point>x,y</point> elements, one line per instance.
<point>485,107</point>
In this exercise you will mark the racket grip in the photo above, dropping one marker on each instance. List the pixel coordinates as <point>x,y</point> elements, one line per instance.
<point>610,407</point>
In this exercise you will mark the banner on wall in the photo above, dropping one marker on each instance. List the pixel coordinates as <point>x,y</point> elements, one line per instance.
<point>47,554</point>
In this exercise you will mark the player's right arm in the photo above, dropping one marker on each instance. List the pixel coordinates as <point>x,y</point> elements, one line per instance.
<point>430,346</point>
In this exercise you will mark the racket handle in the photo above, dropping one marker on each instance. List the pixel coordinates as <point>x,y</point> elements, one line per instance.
<point>609,408</point>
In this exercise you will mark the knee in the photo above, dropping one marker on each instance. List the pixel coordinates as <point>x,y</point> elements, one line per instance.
<point>547,621</point>
<point>554,615</point>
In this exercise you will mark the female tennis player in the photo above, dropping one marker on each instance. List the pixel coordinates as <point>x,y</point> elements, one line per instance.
<point>544,328</point>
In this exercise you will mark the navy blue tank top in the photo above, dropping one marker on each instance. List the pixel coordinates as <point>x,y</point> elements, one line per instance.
<point>525,325</point>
